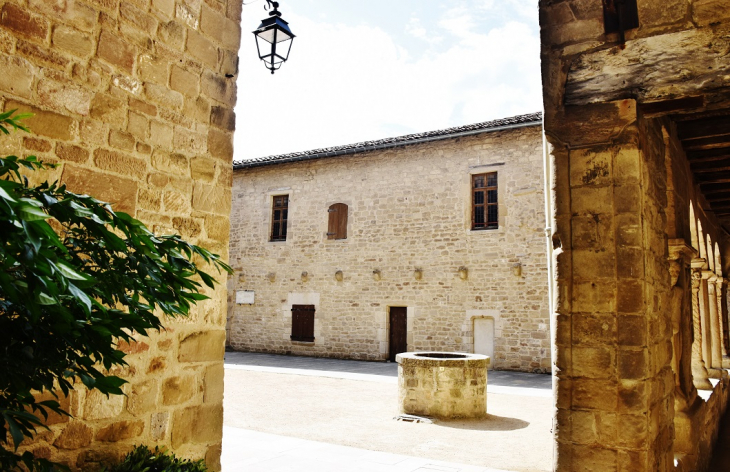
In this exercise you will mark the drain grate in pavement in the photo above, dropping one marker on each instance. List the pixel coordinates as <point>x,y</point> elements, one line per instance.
<point>413,419</point>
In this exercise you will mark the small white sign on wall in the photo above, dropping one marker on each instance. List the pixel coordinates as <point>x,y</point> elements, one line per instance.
<point>244,297</point>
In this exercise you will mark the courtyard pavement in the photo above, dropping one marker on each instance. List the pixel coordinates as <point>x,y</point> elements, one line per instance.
<point>268,397</point>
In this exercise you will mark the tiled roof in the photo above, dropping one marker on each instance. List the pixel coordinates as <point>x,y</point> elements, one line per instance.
<point>531,119</point>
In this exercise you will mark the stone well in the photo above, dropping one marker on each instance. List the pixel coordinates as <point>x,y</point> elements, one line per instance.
<point>442,384</point>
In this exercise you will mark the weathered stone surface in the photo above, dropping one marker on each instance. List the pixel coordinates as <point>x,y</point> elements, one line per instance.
<point>173,34</point>
<point>45,123</point>
<point>20,21</point>
<point>184,81</point>
<point>199,424</point>
<point>106,108</point>
<point>113,88</point>
<point>222,117</point>
<point>74,436</point>
<point>69,152</point>
<point>159,425</point>
<point>220,144</point>
<point>41,55</point>
<point>203,168</point>
<point>122,140</point>
<point>120,163</point>
<point>212,199</point>
<point>180,389</point>
<point>213,384</point>
<point>17,76</point>
<point>120,192</point>
<point>120,430</point>
<point>202,347</point>
<point>202,49</point>
<point>72,40</point>
<point>98,406</point>
<point>64,97</point>
<point>116,52</point>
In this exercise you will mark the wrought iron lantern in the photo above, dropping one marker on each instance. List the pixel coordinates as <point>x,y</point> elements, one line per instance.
<point>273,39</point>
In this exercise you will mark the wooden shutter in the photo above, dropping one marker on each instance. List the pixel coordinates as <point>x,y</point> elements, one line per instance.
<point>337,223</point>
<point>302,323</point>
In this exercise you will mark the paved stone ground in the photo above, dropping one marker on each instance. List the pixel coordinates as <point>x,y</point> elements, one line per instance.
<point>285,413</point>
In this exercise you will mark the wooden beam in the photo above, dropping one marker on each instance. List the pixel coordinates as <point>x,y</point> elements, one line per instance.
<point>664,107</point>
<point>710,155</point>
<point>704,128</point>
<point>718,199</point>
<point>669,66</point>
<point>702,144</point>
<point>710,166</point>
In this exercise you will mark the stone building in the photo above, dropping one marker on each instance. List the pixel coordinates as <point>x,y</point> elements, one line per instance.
<point>433,241</point>
<point>134,101</point>
<point>637,117</point>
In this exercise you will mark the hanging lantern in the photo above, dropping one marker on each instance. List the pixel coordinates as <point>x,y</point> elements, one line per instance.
<point>273,39</point>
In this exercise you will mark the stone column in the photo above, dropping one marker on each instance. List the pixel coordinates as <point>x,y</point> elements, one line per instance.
<point>705,315</point>
<point>715,337</point>
<point>614,383</point>
<point>699,370</point>
<point>721,284</point>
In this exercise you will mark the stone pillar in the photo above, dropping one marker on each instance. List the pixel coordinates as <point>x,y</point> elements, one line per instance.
<point>721,284</point>
<point>715,336</point>
<point>686,401</point>
<point>613,335</point>
<point>699,370</point>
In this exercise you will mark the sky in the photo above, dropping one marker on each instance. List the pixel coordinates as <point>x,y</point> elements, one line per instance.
<point>364,70</point>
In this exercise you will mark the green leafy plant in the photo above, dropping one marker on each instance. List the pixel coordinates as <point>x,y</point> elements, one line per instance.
<point>142,459</point>
<point>76,278</point>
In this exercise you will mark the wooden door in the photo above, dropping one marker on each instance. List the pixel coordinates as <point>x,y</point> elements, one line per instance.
<point>484,338</point>
<point>398,331</point>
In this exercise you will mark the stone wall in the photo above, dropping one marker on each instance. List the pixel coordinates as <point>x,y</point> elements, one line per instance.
<point>634,288</point>
<point>409,208</point>
<point>133,100</point>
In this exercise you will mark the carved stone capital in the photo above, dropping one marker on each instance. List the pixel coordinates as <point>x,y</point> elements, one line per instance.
<point>681,252</point>
<point>699,263</point>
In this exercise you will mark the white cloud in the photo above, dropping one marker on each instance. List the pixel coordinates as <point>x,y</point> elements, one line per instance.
<point>349,83</point>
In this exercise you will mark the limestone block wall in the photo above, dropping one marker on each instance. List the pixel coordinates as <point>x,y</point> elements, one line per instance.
<point>134,101</point>
<point>622,190</point>
<point>409,208</point>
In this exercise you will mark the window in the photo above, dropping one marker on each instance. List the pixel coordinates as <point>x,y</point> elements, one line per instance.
<point>337,227</point>
<point>280,213</point>
<point>302,323</point>
<point>484,213</point>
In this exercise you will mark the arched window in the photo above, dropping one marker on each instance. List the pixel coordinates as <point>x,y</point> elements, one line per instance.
<point>710,254</point>
<point>718,261</point>
<point>702,241</point>
<point>693,227</point>
<point>337,227</point>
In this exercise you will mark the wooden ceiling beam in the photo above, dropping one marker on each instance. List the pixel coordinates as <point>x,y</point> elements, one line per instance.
<point>703,144</point>
<point>709,155</point>
<point>704,128</point>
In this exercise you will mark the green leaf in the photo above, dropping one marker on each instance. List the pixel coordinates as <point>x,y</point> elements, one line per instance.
<point>31,213</point>
<point>81,297</point>
<point>15,430</point>
<point>45,299</point>
<point>68,272</point>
